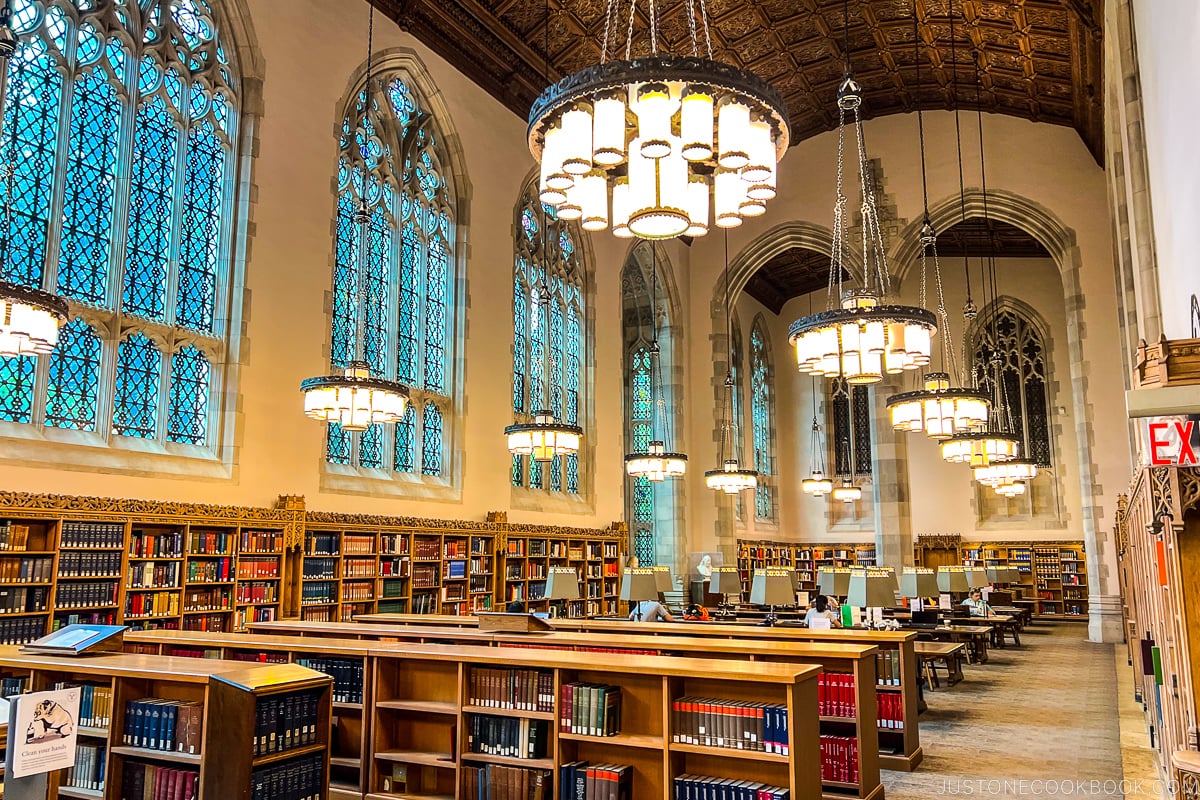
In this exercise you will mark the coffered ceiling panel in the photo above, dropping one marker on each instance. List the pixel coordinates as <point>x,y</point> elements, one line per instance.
<point>1038,59</point>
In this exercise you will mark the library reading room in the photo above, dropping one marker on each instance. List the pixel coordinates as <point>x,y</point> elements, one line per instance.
<point>838,437</point>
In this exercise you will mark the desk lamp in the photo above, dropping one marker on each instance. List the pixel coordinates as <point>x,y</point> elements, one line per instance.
<point>977,577</point>
<point>833,581</point>
<point>917,583</point>
<point>772,586</point>
<point>872,588</point>
<point>638,584</point>
<point>663,579</point>
<point>725,581</point>
<point>562,583</point>
<point>953,580</point>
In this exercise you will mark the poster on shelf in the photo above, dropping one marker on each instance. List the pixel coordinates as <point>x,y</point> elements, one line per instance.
<point>42,731</point>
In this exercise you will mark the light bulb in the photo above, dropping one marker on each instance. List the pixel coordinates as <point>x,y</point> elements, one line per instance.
<point>593,192</point>
<point>608,131</point>
<point>696,124</point>
<point>577,141</point>
<point>733,127</point>
<point>654,120</point>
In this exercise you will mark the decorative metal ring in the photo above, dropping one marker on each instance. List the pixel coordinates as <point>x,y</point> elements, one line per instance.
<point>556,427</point>
<point>880,313</point>
<point>953,393</point>
<point>664,456</point>
<point>335,381</point>
<point>620,74</point>
<point>745,473</point>
<point>27,295</point>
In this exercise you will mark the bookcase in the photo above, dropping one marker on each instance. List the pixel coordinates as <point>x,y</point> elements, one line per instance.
<point>1053,574</point>
<point>804,557</point>
<point>595,556</point>
<point>212,711</point>
<point>425,713</point>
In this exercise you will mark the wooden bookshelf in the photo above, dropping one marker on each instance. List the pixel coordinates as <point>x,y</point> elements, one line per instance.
<point>420,709</point>
<point>596,559</point>
<point>805,558</point>
<point>224,763</point>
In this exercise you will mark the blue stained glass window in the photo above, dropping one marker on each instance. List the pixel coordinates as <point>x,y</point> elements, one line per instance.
<point>410,304</point>
<point>73,382</point>
<point>518,470</point>
<point>200,233</point>
<point>187,410</point>
<point>150,208</point>
<point>375,343</point>
<point>435,317</point>
<point>556,474</point>
<point>431,444</point>
<point>89,189</point>
<point>643,548</point>
<point>139,365</point>
<point>31,125</point>
<point>370,447</point>
<point>573,473</point>
<point>762,422</point>
<point>520,324</point>
<point>337,445</point>
<point>643,500</point>
<point>17,377</point>
<point>344,299</point>
<point>406,440</point>
<point>642,397</point>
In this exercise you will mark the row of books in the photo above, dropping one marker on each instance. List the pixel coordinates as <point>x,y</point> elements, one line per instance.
<point>14,685</point>
<point>319,614</point>
<point>890,707</point>
<point>210,543</point>
<point>522,689</point>
<point>14,537</point>
<point>157,724</point>
<point>454,548</point>
<point>36,569</point>
<point>206,622</point>
<point>84,564</point>
<point>321,544</point>
<point>358,592</point>
<point>88,772</point>
<point>152,604</point>
<point>358,544</point>
<point>702,787</point>
<point>285,721</point>
<point>210,570</point>
<point>295,779</point>
<point>738,725</point>
<point>582,780</point>
<point>496,782</point>
<point>258,567</point>
<point>887,667</point>
<point>839,759</point>
<point>95,704</point>
<point>425,577</point>
<point>395,544</point>
<point>359,568</point>
<point>92,534</point>
<point>394,567</point>
<point>141,781</point>
<point>347,674</point>
<point>152,575</point>
<point>260,542</point>
<point>427,549</point>
<point>455,569</point>
<point>320,568</point>
<point>217,598</point>
<point>244,616</point>
<point>836,695</point>
<point>512,737</point>
<point>90,618</point>
<point>590,709</point>
<point>320,592</point>
<point>22,599</point>
<point>156,545</point>
<point>84,594</point>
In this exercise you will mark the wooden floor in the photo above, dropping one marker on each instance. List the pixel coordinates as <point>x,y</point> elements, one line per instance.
<point>1024,723</point>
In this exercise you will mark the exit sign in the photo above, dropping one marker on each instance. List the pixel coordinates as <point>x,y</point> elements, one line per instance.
<point>1171,443</point>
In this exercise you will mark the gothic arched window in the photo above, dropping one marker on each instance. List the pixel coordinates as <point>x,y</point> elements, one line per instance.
<point>406,255</point>
<point>1022,352</point>
<point>851,424</point>
<point>548,334</point>
<point>119,125</point>
<point>762,420</point>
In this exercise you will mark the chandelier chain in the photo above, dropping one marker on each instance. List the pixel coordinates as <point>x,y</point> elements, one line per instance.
<point>364,219</point>
<point>727,422</point>
<point>839,220</point>
<point>653,28</point>
<point>609,13</point>
<point>920,115</point>
<point>704,22</point>
<point>874,252</point>
<point>629,31</point>
<point>690,9</point>
<point>968,308</point>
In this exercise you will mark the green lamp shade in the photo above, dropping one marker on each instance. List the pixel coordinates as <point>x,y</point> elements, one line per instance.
<point>1011,575</point>
<point>871,588</point>
<point>562,583</point>
<point>638,584</point>
<point>833,581</point>
<point>952,579</point>
<point>918,583</point>
<point>663,579</point>
<point>725,580</point>
<point>977,577</point>
<point>772,586</point>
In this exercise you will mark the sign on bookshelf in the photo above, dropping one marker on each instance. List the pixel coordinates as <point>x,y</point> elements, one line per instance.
<point>42,731</point>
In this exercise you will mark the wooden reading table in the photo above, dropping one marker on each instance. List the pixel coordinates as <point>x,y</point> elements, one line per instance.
<point>949,654</point>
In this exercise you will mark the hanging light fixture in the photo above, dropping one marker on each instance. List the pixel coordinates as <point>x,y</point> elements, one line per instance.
<point>671,144</point>
<point>354,398</point>
<point>544,437</point>
<point>730,478</point>
<point>818,483</point>
<point>939,408</point>
<point>866,337</point>
<point>847,491</point>
<point>29,317</point>
<point>656,464</point>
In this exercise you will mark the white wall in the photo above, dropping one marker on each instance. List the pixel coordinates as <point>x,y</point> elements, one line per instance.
<point>1168,48</point>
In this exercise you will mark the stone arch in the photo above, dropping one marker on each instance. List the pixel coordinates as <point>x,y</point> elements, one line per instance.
<point>1061,243</point>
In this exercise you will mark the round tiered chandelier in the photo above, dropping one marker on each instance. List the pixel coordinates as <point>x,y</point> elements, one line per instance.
<point>354,399</point>
<point>29,319</point>
<point>658,146</point>
<point>543,438</point>
<point>866,337</point>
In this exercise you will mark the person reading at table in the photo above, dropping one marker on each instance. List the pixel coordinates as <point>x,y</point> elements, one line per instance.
<point>651,611</point>
<point>821,610</point>
<point>976,605</point>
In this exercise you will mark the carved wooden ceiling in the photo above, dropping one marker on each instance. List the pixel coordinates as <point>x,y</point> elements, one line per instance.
<point>1040,59</point>
<point>792,273</point>
<point>974,237</point>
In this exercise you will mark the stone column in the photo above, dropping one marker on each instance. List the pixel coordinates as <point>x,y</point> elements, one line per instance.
<point>893,509</point>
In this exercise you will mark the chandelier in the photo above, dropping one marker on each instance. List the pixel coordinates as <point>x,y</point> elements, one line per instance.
<point>354,399</point>
<point>656,464</point>
<point>667,143</point>
<point>544,438</point>
<point>29,317</point>
<point>866,338</point>
<point>730,478</point>
<point>817,484</point>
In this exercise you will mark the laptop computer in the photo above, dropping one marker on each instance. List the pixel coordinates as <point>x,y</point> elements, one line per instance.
<point>924,619</point>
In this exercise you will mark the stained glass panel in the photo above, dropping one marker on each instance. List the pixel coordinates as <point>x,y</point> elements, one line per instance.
<point>73,378</point>
<point>187,410</point>
<point>375,343</point>
<point>337,445</point>
<point>344,271</point>
<point>199,245</point>
<point>431,444</point>
<point>435,317</point>
<point>1009,338</point>
<point>573,473</point>
<point>17,377</point>
<point>370,447</point>
<point>518,471</point>
<point>406,439</point>
<point>761,420</point>
<point>135,403</point>
<point>88,190</point>
<point>520,323</point>
<point>410,305</point>
<point>642,405</point>
<point>150,208</point>
<point>643,548</point>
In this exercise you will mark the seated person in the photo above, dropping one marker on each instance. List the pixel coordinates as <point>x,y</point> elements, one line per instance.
<point>821,608</point>
<point>696,613</point>
<point>515,607</point>
<point>976,605</point>
<point>651,611</point>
